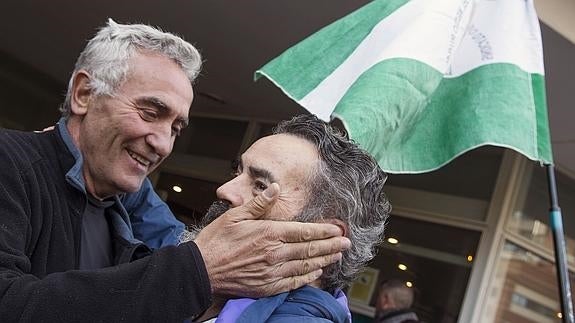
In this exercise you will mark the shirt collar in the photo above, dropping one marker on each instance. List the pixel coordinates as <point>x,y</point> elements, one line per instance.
<point>120,221</point>
<point>74,176</point>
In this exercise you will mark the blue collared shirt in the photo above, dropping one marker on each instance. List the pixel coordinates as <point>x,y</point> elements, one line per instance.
<point>145,216</point>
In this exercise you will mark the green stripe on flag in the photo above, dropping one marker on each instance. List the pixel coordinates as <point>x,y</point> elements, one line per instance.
<point>286,69</point>
<point>543,136</point>
<point>412,119</point>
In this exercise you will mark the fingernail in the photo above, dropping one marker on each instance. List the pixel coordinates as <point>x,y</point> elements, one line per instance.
<point>271,191</point>
<point>318,273</point>
<point>345,243</point>
<point>337,257</point>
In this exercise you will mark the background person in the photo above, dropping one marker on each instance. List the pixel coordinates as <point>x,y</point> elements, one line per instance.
<point>394,303</point>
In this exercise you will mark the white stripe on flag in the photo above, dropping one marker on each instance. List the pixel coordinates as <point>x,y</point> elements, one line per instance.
<point>433,32</point>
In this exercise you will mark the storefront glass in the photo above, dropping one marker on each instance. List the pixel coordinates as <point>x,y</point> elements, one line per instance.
<point>435,260</point>
<point>524,289</point>
<point>531,218</point>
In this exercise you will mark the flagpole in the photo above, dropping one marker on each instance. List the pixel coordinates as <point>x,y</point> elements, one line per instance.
<point>560,250</point>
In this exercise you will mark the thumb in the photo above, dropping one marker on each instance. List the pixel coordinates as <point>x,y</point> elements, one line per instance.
<point>260,204</point>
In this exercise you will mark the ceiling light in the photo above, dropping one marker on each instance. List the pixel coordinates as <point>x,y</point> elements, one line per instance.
<point>470,258</point>
<point>177,189</point>
<point>409,284</point>
<point>402,267</point>
<point>392,240</point>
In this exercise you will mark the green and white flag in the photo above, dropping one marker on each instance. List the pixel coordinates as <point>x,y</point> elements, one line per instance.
<point>417,83</point>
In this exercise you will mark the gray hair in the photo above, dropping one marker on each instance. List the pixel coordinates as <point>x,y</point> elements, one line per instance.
<point>398,292</point>
<point>106,56</point>
<point>348,186</point>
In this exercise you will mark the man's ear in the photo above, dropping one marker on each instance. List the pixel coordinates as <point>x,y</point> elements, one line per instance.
<point>340,224</point>
<point>81,93</point>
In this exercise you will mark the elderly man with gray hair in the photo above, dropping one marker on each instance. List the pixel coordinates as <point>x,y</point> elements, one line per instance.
<point>79,218</point>
<point>324,178</point>
<point>394,302</point>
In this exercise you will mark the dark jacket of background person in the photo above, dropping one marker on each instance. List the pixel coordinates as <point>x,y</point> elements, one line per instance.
<point>394,301</point>
<point>41,216</point>
<point>398,316</point>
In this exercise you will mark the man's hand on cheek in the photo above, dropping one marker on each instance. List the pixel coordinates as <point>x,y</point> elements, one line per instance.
<point>248,257</point>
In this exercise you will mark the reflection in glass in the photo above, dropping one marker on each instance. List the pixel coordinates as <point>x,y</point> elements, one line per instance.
<point>433,259</point>
<point>531,219</point>
<point>524,289</point>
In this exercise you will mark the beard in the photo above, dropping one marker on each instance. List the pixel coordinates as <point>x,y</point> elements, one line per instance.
<point>217,208</point>
<point>308,214</point>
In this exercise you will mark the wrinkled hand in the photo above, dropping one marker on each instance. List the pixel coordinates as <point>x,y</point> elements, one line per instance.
<point>248,257</point>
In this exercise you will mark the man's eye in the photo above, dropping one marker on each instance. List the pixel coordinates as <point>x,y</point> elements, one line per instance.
<point>260,186</point>
<point>176,131</point>
<point>148,114</point>
<point>236,168</point>
<point>236,172</point>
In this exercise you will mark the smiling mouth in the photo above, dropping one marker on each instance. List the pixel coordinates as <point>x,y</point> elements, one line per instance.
<point>141,160</point>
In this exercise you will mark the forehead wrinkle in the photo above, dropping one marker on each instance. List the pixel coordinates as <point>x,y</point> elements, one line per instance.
<point>250,160</point>
<point>153,101</point>
<point>276,158</point>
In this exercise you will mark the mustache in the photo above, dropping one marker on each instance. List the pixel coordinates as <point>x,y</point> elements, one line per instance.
<point>217,208</point>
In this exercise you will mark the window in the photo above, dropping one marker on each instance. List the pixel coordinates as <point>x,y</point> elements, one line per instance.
<point>531,217</point>
<point>436,259</point>
<point>524,289</point>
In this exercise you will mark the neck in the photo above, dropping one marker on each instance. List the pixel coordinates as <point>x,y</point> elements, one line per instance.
<point>316,283</point>
<point>90,187</point>
<point>73,124</point>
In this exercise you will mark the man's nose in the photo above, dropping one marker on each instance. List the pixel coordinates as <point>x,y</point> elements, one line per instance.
<point>161,140</point>
<point>230,191</point>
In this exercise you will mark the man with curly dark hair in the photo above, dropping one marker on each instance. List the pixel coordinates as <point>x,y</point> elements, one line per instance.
<point>324,177</point>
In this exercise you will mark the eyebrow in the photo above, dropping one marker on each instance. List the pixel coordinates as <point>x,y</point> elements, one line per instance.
<point>262,173</point>
<point>162,106</point>
<point>255,171</point>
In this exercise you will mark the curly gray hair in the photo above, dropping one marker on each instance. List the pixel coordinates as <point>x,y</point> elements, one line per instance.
<point>107,55</point>
<point>348,186</point>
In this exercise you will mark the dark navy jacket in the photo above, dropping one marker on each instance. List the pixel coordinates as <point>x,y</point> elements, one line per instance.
<point>40,227</point>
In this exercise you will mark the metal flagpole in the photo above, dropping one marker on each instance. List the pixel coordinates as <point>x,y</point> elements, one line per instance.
<point>560,250</point>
